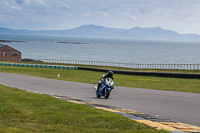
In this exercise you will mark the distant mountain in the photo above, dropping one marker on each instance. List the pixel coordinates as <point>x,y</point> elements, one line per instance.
<point>94,31</point>
<point>151,33</point>
<point>155,33</point>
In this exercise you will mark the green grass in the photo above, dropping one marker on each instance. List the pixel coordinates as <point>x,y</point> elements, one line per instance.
<point>22,112</point>
<point>148,82</point>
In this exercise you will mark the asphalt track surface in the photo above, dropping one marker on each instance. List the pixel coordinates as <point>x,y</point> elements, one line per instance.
<point>177,106</point>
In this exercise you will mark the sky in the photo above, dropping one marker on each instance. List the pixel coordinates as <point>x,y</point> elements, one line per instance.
<point>181,16</point>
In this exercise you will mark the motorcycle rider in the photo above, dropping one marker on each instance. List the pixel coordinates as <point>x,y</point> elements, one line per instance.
<point>102,79</point>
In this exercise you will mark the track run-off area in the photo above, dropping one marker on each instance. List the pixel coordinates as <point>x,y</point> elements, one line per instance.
<point>175,111</point>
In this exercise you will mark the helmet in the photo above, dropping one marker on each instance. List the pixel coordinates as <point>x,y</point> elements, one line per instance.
<point>110,73</point>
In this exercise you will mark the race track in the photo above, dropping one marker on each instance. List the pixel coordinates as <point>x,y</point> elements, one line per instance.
<point>177,106</point>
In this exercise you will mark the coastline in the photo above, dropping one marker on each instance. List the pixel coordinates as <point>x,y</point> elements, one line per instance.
<point>10,41</point>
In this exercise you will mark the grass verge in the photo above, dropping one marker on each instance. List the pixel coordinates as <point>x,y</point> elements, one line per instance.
<point>148,82</point>
<point>21,111</point>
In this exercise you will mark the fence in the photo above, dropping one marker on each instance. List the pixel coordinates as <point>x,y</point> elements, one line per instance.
<point>125,65</point>
<point>38,65</point>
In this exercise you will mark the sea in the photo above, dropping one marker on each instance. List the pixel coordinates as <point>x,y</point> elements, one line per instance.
<point>105,49</point>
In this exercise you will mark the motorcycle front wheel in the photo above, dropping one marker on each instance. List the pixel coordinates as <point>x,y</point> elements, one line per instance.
<point>107,94</point>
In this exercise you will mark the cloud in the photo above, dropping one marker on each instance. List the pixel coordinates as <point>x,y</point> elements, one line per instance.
<point>87,14</point>
<point>66,6</point>
<point>5,19</point>
<point>34,3</point>
<point>103,13</point>
<point>13,5</point>
<point>132,17</point>
<point>38,2</point>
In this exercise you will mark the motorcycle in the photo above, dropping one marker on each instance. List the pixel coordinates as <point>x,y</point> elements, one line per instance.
<point>105,88</point>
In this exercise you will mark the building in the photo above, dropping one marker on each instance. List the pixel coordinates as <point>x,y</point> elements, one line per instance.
<point>8,53</point>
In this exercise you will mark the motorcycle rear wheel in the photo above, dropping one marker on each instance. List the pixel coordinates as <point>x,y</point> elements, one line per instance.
<point>98,95</point>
